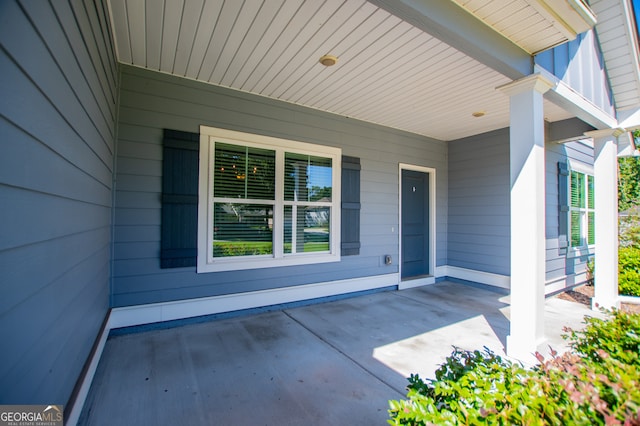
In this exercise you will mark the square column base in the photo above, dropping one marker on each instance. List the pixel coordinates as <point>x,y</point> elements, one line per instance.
<point>524,350</point>
<point>598,303</point>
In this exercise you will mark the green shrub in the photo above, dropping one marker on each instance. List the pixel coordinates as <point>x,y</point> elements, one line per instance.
<point>241,248</point>
<point>629,231</point>
<point>629,270</point>
<point>598,382</point>
<point>591,270</point>
<point>618,336</point>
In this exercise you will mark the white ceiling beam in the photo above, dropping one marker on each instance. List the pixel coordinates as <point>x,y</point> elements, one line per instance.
<point>461,30</point>
<point>567,98</point>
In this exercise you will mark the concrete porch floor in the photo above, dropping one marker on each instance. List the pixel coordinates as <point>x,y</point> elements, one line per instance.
<point>332,363</point>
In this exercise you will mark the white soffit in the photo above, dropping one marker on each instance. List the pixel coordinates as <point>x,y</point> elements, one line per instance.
<point>388,72</point>
<point>534,25</point>
<point>619,42</point>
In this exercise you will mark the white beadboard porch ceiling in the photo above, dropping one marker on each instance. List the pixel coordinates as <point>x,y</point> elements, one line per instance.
<point>388,72</point>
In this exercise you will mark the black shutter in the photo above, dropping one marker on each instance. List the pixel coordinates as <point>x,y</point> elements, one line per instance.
<point>350,224</point>
<point>563,207</point>
<point>179,228</point>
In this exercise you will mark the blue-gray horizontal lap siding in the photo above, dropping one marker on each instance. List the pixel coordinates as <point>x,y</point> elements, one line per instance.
<point>479,196</point>
<point>152,101</point>
<point>561,265</point>
<point>479,229</point>
<point>58,96</point>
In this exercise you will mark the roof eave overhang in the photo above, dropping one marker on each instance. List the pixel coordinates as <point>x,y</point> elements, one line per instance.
<point>632,33</point>
<point>569,17</point>
<point>455,26</point>
<point>461,30</point>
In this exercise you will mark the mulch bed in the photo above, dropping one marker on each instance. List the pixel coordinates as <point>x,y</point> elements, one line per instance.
<point>584,293</point>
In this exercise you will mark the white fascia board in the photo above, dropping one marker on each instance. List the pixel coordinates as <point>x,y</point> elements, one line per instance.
<point>629,119</point>
<point>564,96</point>
<point>628,151</point>
<point>625,145</point>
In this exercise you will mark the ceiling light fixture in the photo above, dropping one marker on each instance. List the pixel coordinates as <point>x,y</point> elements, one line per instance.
<point>328,60</point>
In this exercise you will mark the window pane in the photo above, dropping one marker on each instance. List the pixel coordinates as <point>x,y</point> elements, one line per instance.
<point>261,172</point>
<point>288,229</point>
<point>306,229</point>
<point>307,178</point>
<point>243,172</point>
<point>591,238</point>
<point>320,179</point>
<point>576,229</point>
<point>590,193</point>
<point>242,229</point>
<point>577,190</point>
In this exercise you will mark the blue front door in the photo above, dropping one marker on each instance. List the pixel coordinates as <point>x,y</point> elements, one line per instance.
<point>415,224</point>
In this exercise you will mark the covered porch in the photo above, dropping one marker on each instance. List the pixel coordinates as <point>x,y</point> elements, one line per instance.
<point>331,363</point>
<point>484,108</point>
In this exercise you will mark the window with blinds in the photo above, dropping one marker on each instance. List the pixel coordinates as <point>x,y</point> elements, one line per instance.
<point>269,202</point>
<point>581,209</point>
<point>307,203</point>
<point>243,200</point>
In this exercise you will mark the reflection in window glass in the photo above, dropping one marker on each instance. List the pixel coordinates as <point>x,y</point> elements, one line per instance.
<point>242,229</point>
<point>307,178</point>
<point>269,201</point>
<point>306,229</point>
<point>244,172</point>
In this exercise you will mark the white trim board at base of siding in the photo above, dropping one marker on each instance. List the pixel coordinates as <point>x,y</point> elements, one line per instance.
<point>168,311</point>
<point>89,373</point>
<point>564,282</point>
<point>480,277</point>
<point>629,299</point>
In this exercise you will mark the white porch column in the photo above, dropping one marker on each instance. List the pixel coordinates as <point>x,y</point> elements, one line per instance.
<point>606,211</point>
<point>527,214</point>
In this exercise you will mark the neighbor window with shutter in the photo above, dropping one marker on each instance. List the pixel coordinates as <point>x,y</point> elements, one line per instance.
<point>266,202</point>
<point>581,209</point>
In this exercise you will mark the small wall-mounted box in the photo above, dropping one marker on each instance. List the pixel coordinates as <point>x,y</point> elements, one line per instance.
<point>387,259</point>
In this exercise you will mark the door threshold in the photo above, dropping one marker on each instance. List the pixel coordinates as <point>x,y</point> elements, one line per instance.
<point>417,281</point>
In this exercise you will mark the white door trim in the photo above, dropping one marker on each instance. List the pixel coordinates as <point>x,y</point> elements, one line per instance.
<point>432,223</point>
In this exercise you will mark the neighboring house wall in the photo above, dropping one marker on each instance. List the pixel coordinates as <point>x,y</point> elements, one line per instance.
<point>579,64</point>
<point>151,101</point>
<point>479,218</point>
<point>58,94</point>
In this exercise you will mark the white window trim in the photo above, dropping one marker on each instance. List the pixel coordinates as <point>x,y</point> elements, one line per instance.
<point>206,262</point>
<point>586,169</point>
